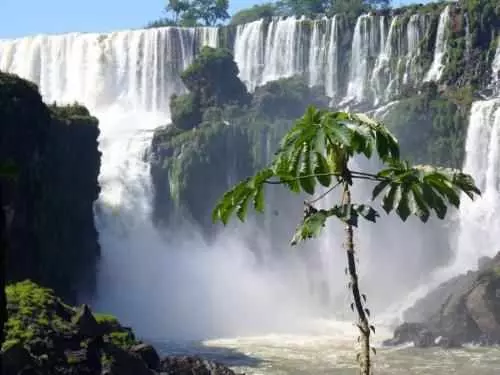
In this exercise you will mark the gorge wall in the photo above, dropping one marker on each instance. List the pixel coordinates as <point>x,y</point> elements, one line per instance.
<point>55,164</point>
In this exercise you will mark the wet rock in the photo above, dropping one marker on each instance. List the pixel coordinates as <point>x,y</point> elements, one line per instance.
<point>15,359</point>
<point>192,366</point>
<point>447,342</point>
<point>405,333</point>
<point>465,309</point>
<point>124,362</point>
<point>148,354</point>
<point>424,339</point>
<point>86,323</point>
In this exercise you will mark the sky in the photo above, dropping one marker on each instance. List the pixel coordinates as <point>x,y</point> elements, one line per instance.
<point>20,18</point>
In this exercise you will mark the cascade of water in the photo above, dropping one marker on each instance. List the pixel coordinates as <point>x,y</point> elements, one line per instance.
<point>249,52</point>
<point>382,71</point>
<point>127,78</point>
<point>416,30</point>
<point>317,52</point>
<point>284,48</point>
<point>332,61</point>
<point>495,70</point>
<point>361,50</point>
<point>438,64</point>
<point>468,38</point>
<point>479,221</point>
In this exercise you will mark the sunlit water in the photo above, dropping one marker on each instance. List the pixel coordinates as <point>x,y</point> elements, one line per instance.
<point>333,351</point>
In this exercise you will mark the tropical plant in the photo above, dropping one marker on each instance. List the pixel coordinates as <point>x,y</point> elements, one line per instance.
<point>317,150</point>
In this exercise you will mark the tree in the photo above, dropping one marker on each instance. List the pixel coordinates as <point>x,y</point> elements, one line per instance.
<point>304,7</point>
<point>208,11</point>
<point>254,13</point>
<point>318,149</point>
<point>189,13</point>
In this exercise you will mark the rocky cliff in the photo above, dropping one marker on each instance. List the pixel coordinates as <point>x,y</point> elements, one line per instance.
<point>55,163</point>
<point>212,145</point>
<point>45,336</point>
<point>465,309</point>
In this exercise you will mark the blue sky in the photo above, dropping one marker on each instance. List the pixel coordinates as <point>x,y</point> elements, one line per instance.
<point>27,17</point>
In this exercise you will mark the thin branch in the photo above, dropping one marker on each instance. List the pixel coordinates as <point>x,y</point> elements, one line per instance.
<point>354,174</point>
<point>326,192</point>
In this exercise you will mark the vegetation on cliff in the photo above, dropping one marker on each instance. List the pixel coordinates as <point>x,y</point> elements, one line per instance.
<point>50,227</point>
<point>48,337</point>
<point>218,130</point>
<point>432,127</point>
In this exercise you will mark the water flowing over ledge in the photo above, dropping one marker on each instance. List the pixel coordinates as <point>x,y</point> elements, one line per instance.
<point>126,78</point>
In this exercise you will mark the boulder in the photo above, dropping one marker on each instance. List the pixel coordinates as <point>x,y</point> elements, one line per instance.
<point>15,359</point>
<point>87,324</point>
<point>148,354</point>
<point>405,333</point>
<point>124,362</point>
<point>462,310</point>
<point>192,366</point>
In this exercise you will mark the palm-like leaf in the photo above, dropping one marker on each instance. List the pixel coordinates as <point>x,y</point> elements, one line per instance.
<point>318,148</point>
<point>418,190</point>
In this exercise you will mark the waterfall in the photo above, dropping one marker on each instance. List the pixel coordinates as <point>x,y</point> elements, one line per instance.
<point>479,220</point>
<point>332,79</point>
<point>438,63</point>
<point>416,31</point>
<point>317,52</point>
<point>495,70</point>
<point>249,52</point>
<point>363,48</point>
<point>126,79</point>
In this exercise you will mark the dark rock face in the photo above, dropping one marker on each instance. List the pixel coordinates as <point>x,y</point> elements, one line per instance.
<point>52,237</point>
<point>148,354</point>
<point>44,336</point>
<point>462,310</point>
<point>192,365</point>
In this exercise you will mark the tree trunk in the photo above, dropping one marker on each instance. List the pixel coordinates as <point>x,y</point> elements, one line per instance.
<point>363,324</point>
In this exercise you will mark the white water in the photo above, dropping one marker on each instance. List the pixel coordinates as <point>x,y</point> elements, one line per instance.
<point>179,286</point>
<point>438,62</point>
<point>479,221</point>
<point>495,70</point>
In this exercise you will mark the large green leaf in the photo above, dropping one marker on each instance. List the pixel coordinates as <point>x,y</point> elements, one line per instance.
<point>312,225</point>
<point>418,190</point>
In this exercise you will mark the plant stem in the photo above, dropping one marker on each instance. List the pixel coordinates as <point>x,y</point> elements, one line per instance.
<point>363,324</point>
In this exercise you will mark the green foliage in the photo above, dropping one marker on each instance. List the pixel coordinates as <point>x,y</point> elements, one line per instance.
<point>190,167</point>
<point>122,339</point>
<point>36,313</point>
<point>431,127</point>
<point>319,145</point>
<point>55,169</point>
<point>348,213</point>
<point>286,98</point>
<point>351,8</point>
<point>161,22</point>
<point>193,13</point>
<point>255,13</point>
<point>204,76</point>
<point>105,319</point>
<point>185,111</point>
<point>194,159</point>
<point>32,311</point>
